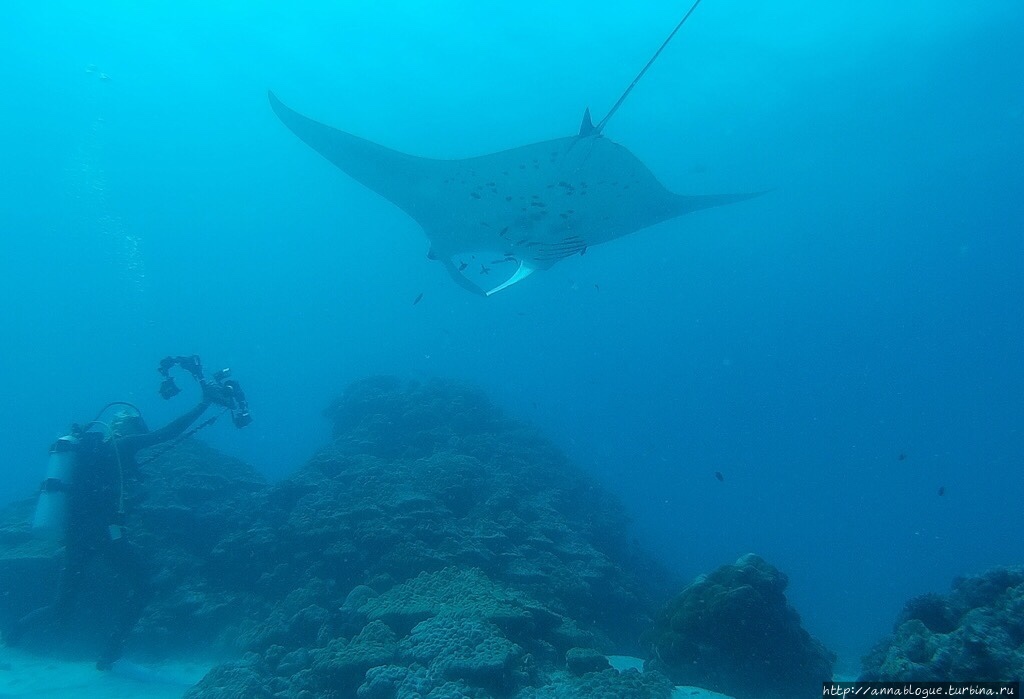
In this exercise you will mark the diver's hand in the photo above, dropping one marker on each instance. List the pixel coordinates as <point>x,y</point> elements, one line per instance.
<point>215,393</point>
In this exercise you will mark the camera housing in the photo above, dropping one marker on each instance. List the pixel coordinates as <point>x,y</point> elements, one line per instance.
<point>238,406</point>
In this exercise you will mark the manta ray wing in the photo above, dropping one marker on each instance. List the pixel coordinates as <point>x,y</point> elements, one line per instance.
<point>531,205</point>
<point>405,180</point>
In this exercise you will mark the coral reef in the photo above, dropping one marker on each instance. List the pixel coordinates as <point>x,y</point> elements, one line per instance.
<point>453,632</point>
<point>976,633</point>
<point>734,632</point>
<point>462,544</point>
<point>460,647</point>
<point>422,477</point>
<point>468,591</point>
<point>342,665</point>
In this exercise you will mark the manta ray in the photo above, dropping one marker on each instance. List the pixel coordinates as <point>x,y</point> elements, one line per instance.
<point>521,209</point>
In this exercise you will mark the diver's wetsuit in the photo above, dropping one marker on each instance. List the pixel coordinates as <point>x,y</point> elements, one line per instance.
<point>93,505</point>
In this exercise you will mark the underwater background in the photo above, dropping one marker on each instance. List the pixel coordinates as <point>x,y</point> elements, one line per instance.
<point>839,350</point>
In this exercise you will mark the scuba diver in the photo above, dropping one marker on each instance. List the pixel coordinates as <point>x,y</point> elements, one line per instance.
<point>83,499</point>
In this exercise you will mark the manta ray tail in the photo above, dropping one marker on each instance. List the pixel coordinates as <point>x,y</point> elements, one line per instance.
<point>600,126</point>
<point>685,204</point>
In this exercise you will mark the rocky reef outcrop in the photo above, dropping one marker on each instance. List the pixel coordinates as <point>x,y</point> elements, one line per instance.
<point>449,633</point>
<point>433,548</point>
<point>422,477</point>
<point>975,633</point>
<point>734,632</point>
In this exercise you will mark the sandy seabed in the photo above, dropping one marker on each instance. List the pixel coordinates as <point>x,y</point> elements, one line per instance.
<point>29,675</point>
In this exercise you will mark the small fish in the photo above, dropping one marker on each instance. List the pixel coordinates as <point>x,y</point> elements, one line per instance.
<point>942,490</point>
<point>902,456</point>
<point>503,231</point>
<point>418,299</point>
<point>462,265</point>
<point>719,476</point>
<point>597,286</point>
<point>485,270</point>
<point>474,195</point>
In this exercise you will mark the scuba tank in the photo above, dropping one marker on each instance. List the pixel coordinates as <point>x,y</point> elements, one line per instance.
<point>52,506</point>
<point>67,454</point>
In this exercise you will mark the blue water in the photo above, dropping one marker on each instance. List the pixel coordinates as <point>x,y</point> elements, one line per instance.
<point>868,307</point>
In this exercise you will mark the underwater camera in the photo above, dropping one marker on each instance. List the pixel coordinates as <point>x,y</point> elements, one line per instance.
<point>231,394</point>
<point>239,405</point>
